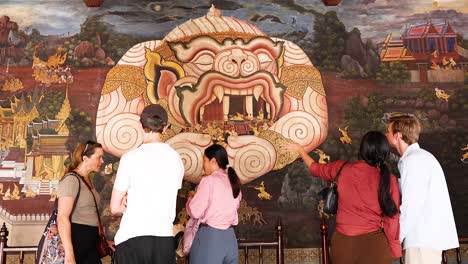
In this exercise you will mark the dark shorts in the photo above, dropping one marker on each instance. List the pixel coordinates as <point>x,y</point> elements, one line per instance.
<point>84,240</point>
<point>146,250</point>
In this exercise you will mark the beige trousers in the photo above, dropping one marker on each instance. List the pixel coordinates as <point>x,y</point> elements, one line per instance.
<point>423,256</point>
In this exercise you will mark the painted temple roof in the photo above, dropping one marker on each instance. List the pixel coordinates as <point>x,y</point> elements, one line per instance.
<point>422,30</point>
<point>394,50</point>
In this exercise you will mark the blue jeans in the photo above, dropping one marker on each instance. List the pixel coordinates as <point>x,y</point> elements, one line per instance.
<point>214,246</point>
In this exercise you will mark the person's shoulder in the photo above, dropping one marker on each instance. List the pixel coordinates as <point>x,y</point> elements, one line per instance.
<point>69,179</point>
<point>218,177</point>
<point>209,179</point>
<point>418,154</point>
<point>129,154</point>
<point>167,147</point>
<point>157,147</point>
<point>171,151</point>
<point>343,164</point>
<point>350,163</point>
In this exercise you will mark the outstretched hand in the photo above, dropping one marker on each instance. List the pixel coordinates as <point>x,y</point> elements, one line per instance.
<point>294,147</point>
<point>301,151</point>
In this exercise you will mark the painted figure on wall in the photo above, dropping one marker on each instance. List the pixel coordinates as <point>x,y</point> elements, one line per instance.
<point>223,73</point>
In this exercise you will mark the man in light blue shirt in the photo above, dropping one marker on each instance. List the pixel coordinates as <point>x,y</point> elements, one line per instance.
<point>427,225</point>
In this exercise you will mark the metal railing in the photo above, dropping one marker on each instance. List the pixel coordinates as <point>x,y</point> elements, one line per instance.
<point>4,249</point>
<point>259,245</point>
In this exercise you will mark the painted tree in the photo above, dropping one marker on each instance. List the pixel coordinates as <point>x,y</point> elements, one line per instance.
<point>329,41</point>
<point>392,73</point>
<point>365,115</point>
<point>79,124</point>
<point>50,104</point>
<point>102,35</point>
<point>462,42</point>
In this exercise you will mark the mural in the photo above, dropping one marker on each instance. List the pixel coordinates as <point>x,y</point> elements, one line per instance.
<point>217,74</point>
<point>248,74</point>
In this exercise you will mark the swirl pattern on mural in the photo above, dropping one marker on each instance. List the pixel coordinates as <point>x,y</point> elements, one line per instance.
<point>191,147</point>
<point>122,133</point>
<point>109,104</point>
<point>299,126</point>
<point>250,156</point>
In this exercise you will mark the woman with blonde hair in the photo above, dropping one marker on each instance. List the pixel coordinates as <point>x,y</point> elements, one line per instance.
<point>77,219</point>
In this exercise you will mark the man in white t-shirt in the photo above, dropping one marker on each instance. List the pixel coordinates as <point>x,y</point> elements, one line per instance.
<point>427,225</point>
<point>145,193</point>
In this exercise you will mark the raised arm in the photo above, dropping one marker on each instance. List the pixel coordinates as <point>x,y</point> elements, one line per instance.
<point>308,160</point>
<point>325,171</point>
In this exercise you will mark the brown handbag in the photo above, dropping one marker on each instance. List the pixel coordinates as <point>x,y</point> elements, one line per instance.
<point>101,244</point>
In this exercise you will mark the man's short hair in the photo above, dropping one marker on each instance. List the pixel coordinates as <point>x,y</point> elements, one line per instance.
<point>408,125</point>
<point>153,118</point>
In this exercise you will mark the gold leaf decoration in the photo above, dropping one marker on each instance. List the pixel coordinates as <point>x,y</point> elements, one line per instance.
<point>298,77</point>
<point>130,78</point>
<point>283,156</point>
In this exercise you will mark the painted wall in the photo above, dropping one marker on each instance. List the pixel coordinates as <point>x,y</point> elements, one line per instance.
<point>57,69</point>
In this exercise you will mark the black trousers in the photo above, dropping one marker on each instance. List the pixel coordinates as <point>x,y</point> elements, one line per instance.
<point>84,239</point>
<point>146,250</point>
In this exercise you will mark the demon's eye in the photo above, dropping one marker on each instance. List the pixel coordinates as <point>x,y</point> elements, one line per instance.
<point>204,61</point>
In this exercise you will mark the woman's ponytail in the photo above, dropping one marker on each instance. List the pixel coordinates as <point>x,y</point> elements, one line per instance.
<point>374,150</point>
<point>385,199</point>
<point>235,181</point>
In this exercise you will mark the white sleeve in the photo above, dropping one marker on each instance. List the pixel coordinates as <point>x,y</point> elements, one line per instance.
<point>414,188</point>
<point>181,170</point>
<point>122,179</point>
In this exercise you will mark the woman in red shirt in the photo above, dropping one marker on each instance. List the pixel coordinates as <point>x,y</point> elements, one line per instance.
<point>367,227</point>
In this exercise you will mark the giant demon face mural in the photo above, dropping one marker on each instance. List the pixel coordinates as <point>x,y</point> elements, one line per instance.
<point>221,79</point>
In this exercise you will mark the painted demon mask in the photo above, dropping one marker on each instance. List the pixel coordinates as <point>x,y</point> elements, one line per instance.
<point>221,80</point>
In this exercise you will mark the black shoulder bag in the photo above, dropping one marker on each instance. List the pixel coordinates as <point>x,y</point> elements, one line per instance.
<point>330,195</point>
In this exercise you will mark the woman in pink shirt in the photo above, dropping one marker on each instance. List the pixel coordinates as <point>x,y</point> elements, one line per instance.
<point>215,204</point>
